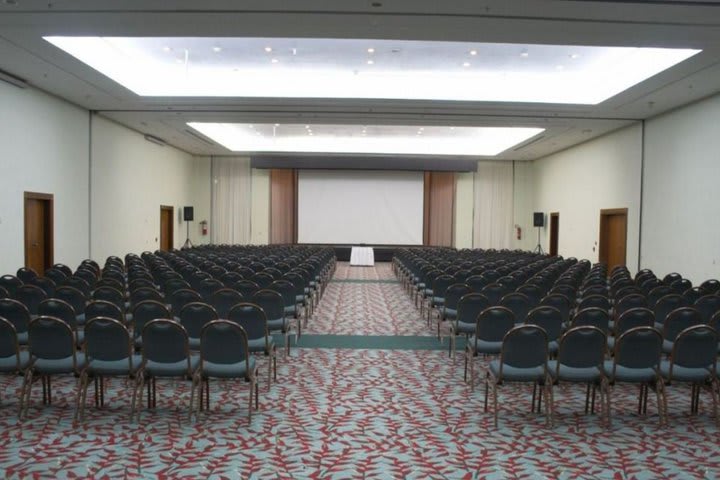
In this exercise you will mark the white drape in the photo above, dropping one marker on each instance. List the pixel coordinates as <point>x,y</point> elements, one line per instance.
<point>231,200</point>
<point>493,225</point>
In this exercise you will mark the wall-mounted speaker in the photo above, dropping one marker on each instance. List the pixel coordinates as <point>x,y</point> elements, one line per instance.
<point>538,219</point>
<point>188,214</point>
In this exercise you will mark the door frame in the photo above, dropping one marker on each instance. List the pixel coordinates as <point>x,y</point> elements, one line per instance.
<point>171,209</point>
<point>49,231</point>
<point>602,245</point>
<point>554,233</point>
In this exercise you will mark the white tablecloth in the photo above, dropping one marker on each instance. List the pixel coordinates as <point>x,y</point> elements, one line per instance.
<point>362,256</point>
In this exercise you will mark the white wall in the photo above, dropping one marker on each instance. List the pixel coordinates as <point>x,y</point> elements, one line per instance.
<point>681,193</point>
<point>131,179</point>
<point>579,182</point>
<point>43,148</point>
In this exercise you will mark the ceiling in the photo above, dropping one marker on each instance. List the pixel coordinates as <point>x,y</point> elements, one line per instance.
<point>676,24</point>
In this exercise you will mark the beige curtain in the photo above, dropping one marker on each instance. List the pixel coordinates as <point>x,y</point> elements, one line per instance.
<point>493,225</point>
<point>231,200</point>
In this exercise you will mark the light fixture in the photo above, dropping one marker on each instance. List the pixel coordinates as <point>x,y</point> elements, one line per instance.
<point>370,62</point>
<point>371,50</point>
<point>329,70</point>
<point>274,60</point>
<point>466,64</point>
<point>277,124</point>
<point>384,139</point>
<point>473,52</point>
<point>167,49</point>
<point>574,56</point>
<point>217,49</point>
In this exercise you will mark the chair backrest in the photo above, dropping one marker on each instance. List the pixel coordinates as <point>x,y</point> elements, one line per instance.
<point>180,298</point>
<point>10,283</point>
<point>708,305</point>
<point>595,301</point>
<point>51,338</point>
<point>246,288</point>
<point>109,294</point>
<point>230,278</point>
<point>667,304</point>
<point>582,347</point>
<point>657,293</point>
<point>710,286</point>
<point>194,316</point>
<point>715,322</point>
<point>165,341</point>
<point>639,347</point>
<point>73,296</point>
<point>252,318</point>
<point>263,280</point>
<point>30,296</point>
<point>548,318</point>
<point>680,319</point>
<point>9,346</point>
<point>106,339</point>
<point>101,308</point>
<point>494,292</point>
<point>223,342</point>
<point>286,289</point>
<point>454,293</point>
<point>695,347</point>
<point>681,286</point>
<point>223,300</point>
<point>26,274</point>
<point>594,317</point>
<point>146,311</point>
<point>4,293</point>
<point>629,302</point>
<point>692,295</point>
<point>56,275</point>
<point>470,306</point>
<point>633,318</point>
<point>524,346</point>
<point>16,313</point>
<point>560,302</point>
<point>174,284</point>
<point>271,302</point>
<point>144,293</point>
<point>628,290</point>
<point>53,307</point>
<point>209,286</point>
<point>141,282</point>
<point>78,283</point>
<point>441,284</point>
<point>46,284</point>
<point>532,291</point>
<point>518,303</point>
<point>568,290</point>
<point>493,324</point>
<point>476,282</point>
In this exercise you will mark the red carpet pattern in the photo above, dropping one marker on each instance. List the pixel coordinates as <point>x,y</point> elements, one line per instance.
<point>345,414</point>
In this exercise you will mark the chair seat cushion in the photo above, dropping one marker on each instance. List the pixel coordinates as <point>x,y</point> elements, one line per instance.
<point>80,319</point>
<point>300,299</point>
<point>79,337</point>
<point>484,346</point>
<point>611,343</point>
<point>194,343</point>
<point>173,369</point>
<point>450,313</point>
<point>60,365</point>
<point>625,374</point>
<point>228,370</point>
<point>128,318</point>
<point>464,327</point>
<point>115,367</point>
<point>258,344</point>
<point>278,324</point>
<point>573,374</point>
<point>22,338</point>
<point>684,374</point>
<point>438,301</point>
<point>10,364</point>
<point>553,347</point>
<point>290,310</point>
<point>517,374</point>
<point>667,346</point>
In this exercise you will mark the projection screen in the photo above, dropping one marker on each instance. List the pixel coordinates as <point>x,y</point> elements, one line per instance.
<point>355,206</point>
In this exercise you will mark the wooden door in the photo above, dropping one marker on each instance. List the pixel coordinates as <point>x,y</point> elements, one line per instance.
<point>283,206</point>
<point>554,232</point>
<point>613,237</point>
<point>166,227</point>
<point>39,235</point>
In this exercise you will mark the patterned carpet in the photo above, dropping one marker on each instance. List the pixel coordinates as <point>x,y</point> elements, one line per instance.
<point>355,413</point>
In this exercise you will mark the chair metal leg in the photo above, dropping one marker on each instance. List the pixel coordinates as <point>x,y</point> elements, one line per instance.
<point>495,407</point>
<point>192,400</point>
<point>24,394</point>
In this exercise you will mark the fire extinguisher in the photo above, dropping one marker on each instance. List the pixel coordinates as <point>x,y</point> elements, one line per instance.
<point>204,227</point>
<point>518,231</point>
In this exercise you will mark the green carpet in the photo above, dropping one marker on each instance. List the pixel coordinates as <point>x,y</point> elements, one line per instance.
<point>362,280</point>
<point>373,342</point>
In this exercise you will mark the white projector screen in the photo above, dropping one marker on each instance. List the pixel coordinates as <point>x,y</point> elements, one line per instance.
<point>358,206</point>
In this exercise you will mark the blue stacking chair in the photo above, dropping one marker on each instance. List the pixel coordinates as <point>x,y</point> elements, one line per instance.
<point>108,353</point>
<point>469,307</point>
<point>491,326</point>
<point>13,361</point>
<point>224,353</point>
<point>254,321</point>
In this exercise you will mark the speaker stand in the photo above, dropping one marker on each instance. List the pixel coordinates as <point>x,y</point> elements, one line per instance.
<point>188,243</point>
<point>538,248</point>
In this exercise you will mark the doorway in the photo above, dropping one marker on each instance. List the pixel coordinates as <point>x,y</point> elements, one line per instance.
<point>39,231</point>
<point>166,228</point>
<point>613,237</point>
<point>554,231</point>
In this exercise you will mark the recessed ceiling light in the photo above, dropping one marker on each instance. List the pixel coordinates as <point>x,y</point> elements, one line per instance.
<point>524,54</point>
<point>385,139</point>
<point>559,67</point>
<point>217,49</point>
<point>135,63</point>
<point>371,50</point>
<point>452,128</point>
<point>268,49</point>
<point>274,60</point>
<point>370,62</point>
<point>277,124</point>
<point>167,49</point>
<point>574,56</point>
<point>178,60</point>
<point>466,64</point>
<point>307,126</point>
<point>473,52</point>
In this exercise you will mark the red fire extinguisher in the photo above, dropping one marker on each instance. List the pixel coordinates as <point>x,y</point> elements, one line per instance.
<point>204,227</point>
<point>518,230</point>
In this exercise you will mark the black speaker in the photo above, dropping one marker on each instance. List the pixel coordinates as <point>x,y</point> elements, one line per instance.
<point>188,214</point>
<point>538,219</point>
